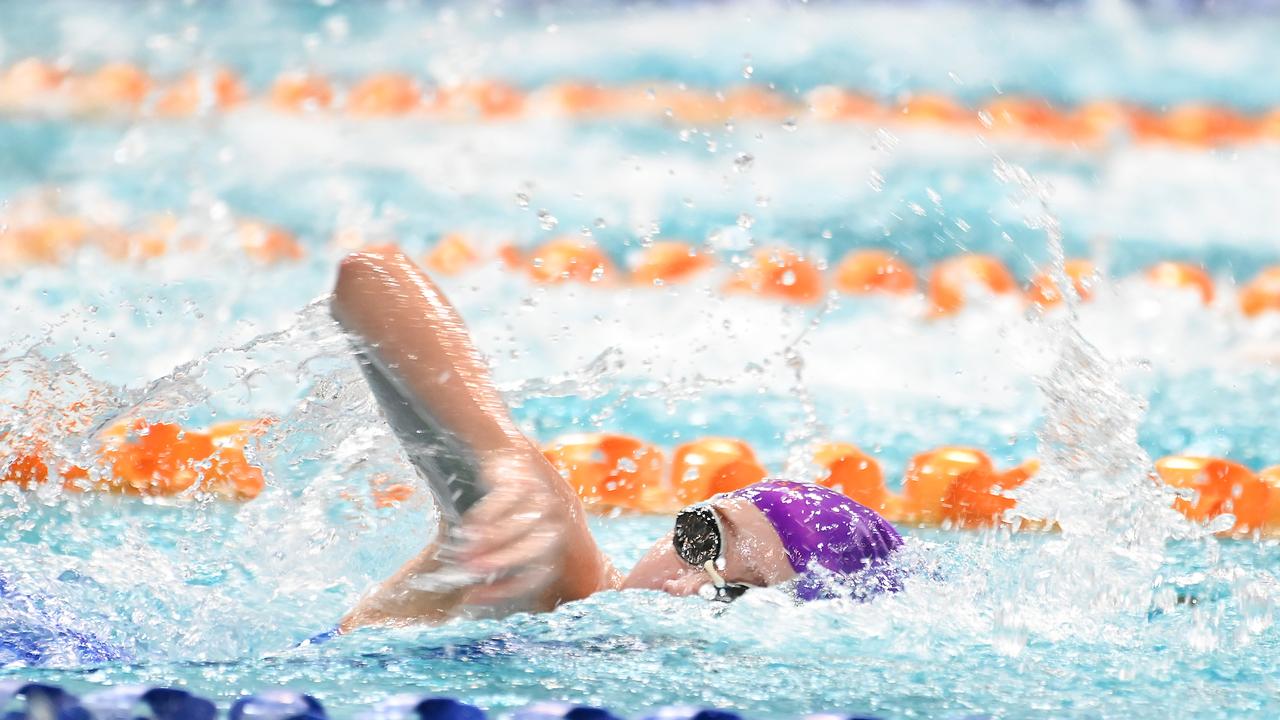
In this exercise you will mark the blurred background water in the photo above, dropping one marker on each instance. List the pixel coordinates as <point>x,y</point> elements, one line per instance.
<point>215,596</point>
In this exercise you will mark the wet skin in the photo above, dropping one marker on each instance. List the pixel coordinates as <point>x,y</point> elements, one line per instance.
<point>525,547</point>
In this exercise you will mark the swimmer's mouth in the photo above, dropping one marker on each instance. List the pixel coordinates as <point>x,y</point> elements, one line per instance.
<point>699,541</point>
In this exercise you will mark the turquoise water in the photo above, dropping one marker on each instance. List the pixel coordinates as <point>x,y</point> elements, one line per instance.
<point>215,597</point>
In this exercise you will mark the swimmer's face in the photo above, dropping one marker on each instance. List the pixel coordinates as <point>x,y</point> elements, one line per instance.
<point>753,555</point>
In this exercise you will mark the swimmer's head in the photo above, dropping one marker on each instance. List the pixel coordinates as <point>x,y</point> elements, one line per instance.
<point>770,533</point>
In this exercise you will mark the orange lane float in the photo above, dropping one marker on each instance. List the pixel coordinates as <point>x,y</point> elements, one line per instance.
<point>828,102</point>
<point>927,486</point>
<point>384,95</point>
<point>576,99</point>
<point>33,82</point>
<point>666,262</point>
<point>216,90</point>
<point>608,469</point>
<point>563,259</point>
<point>1271,477</point>
<point>960,486</point>
<point>689,105</point>
<point>1105,119</point>
<point>750,101</point>
<point>1180,275</point>
<point>1217,486</point>
<point>451,255</point>
<point>1196,124</point>
<point>114,85</point>
<point>1032,117</point>
<point>1044,290</point>
<point>1261,294</point>
<point>30,81</point>
<point>953,278</point>
<point>47,241</point>
<point>158,460</point>
<point>486,99</point>
<point>267,243</point>
<point>849,470</point>
<point>978,499</point>
<point>297,92</point>
<point>936,109</point>
<point>874,271</point>
<point>780,274</point>
<point>710,466</point>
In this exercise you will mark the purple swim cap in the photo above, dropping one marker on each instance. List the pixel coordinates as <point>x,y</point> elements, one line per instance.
<point>822,529</point>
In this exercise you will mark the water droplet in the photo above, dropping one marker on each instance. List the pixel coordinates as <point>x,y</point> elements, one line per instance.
<point>826,234</point>
<point>547,220</point>
<point>883,140</point>
<point>711,145</point>
<point>747,68</point>
<point>745,221</point>
<point>522,199</point>
<point>337,27</point>
<point>875,180</point>
<point>789,124</point>
<point>743,162</point>
<point>599,223</point>
<point>762,201</point>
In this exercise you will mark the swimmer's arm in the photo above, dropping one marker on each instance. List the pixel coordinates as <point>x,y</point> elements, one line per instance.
<point>396,602</point>
<point>527,538</point>
<point>384,298</point>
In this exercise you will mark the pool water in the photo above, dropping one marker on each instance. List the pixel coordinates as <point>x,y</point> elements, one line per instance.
<point>1126,611</point>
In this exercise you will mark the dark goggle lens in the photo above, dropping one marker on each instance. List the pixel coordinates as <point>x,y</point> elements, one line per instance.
<point>697,536</point>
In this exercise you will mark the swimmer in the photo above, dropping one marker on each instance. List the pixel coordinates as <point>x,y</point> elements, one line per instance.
<point>519,542</point>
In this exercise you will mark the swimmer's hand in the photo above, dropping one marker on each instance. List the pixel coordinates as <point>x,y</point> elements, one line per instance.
<point>515,541</point>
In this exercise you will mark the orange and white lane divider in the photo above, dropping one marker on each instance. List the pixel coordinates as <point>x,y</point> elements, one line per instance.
<point>52,238</point>
<point>946,487</point>
<point>35,85</point>
<point>787,275</point>
<point>42,236</point>
<point>149,459</point>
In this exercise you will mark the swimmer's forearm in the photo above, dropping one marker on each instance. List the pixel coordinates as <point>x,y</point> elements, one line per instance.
<point>413,329</point>
<point>396,602</point>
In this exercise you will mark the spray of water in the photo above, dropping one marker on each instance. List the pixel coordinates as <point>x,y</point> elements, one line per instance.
<point>177,574</point>
<point>1096,485</point>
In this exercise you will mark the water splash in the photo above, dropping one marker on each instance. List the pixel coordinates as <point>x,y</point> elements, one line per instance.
<point>192,575</point>
<point>1095,484</point>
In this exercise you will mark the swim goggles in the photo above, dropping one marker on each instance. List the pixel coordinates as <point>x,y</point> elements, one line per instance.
<point>699,541</point>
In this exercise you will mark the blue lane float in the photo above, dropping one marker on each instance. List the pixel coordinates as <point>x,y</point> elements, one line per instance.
<point>277,705</point>
<point>20,700</point>
<point>422,707</point>
<point>39,702</point>
<point>134,702</point>
<point>690,712</point>
<point>562,711</point>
